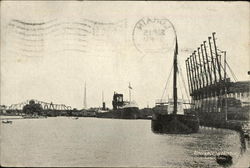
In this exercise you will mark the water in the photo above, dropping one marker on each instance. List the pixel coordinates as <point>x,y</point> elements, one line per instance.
<point>63,141</point>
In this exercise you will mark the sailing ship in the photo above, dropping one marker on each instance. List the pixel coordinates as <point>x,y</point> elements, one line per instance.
<point>174,123</point>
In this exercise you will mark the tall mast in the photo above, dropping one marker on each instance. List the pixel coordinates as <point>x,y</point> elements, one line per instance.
<point>216,56</point>
<point>208,64</point>
<point>197,71</point>
<point>212,59</point>
<point>175,78</point>
<point>225,78</point>
<point>192,73</point>
<point>195,74</point>
<point>189,76</point>
<point>204,66</point>
<point>200,65</point>
<point>175,71</point>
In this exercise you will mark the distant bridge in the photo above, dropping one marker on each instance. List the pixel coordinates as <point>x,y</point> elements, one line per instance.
<point>45,105</point>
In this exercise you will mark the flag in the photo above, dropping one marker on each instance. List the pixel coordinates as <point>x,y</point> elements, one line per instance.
<point>129,86</point>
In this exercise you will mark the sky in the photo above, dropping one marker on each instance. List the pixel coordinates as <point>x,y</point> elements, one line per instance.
<point>50,49</point>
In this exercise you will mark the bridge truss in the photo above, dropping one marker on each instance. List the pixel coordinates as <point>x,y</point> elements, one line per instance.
<point>45,105</point>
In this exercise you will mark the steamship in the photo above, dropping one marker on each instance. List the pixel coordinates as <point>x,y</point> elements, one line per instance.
<point>121,109</point>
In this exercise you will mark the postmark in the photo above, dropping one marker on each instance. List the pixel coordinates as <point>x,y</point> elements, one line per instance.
<point>109,37</point>
<point>151,34</point>
<point>76,35</point>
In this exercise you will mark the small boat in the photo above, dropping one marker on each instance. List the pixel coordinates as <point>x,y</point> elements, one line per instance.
<point>224,159</point>
<point>7,122</point>
<point>75,118</point>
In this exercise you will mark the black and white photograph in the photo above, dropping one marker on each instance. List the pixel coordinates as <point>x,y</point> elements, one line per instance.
<point>125,84</point>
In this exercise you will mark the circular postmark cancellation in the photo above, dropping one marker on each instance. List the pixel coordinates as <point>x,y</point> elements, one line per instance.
<point>152,35</point>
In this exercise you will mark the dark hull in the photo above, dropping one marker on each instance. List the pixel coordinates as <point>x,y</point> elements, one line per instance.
<point>174,124</point>
<point>125,113</point>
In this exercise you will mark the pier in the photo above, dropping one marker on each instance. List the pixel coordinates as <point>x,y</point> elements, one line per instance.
<point>217,100</point>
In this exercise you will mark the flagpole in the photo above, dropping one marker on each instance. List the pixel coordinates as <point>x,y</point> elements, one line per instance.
<point>129,87</point>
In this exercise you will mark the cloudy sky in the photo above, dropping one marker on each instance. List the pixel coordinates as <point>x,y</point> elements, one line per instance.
<point>50,49</point>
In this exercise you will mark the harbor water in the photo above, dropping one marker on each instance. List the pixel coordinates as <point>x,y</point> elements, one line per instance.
<point>64,141</point>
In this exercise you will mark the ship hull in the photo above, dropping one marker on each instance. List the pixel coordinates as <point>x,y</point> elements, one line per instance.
<point>174,124</point>
<point>124,113</point>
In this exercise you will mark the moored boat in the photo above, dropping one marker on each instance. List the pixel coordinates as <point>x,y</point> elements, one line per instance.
<point>174,123</point>
<point>165,121</point>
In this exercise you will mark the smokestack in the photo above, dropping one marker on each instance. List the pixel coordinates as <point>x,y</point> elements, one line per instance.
<point>103,105</point>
